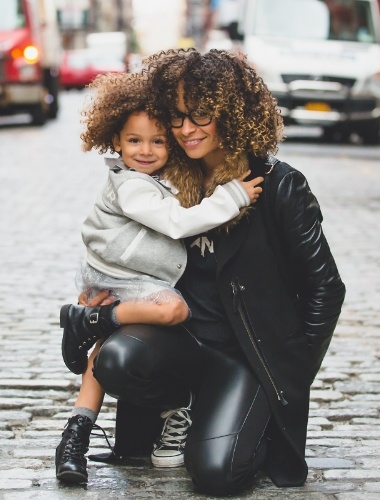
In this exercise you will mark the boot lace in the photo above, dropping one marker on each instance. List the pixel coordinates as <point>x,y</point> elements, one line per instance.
<point>75,448</point>
<point>97,427</point>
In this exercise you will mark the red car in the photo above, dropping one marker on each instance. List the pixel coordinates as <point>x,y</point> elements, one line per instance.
<point>79,67</point>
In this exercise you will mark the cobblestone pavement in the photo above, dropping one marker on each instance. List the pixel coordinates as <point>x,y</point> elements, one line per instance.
<point>47,187</point>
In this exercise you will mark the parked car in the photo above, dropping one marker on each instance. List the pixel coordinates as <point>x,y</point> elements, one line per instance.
<point>79,67</point>
<point>320,59</point>
<point>30,56</point>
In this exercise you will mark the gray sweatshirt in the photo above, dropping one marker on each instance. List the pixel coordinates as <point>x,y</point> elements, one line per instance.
<point>136,225</point>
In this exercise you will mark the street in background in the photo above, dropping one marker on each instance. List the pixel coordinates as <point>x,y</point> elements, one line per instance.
<point>105,52</point>
<point>30,54</point>
<point>39,249</point>
<point>158,25</point>
<point>79,67</point>
<point>320,59</point>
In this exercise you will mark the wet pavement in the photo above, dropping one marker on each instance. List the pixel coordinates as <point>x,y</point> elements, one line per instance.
<point>47,187</point>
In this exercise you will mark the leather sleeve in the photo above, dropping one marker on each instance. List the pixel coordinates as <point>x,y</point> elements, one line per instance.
<point>320,289</point>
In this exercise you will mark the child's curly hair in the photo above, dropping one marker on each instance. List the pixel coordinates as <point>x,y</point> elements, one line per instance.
<point>225,86</point>
<point>115,96</point>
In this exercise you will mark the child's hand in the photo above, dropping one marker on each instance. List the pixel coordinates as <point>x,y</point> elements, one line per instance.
<point>251,187</point>
<point>103,298</point>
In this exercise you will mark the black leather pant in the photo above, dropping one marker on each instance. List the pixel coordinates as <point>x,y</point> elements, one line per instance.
<point>158,366</point>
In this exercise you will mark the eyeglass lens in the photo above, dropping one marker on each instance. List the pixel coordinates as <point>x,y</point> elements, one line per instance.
<point>196,117</point>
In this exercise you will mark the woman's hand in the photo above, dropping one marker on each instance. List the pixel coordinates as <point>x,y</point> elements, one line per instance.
<point>251,187</point>
<point>102,299</point>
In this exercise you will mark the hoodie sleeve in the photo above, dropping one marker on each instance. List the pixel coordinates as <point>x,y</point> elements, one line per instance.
<point>142,202</point>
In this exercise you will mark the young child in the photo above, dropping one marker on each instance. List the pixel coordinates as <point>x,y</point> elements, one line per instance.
<point>134,251</point>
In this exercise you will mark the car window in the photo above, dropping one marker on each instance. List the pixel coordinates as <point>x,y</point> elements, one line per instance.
<point>351,21</point>
<point>12,15</point>
<point>318,19</point>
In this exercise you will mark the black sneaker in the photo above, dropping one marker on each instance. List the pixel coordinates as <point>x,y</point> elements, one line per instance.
<point>169,449</point>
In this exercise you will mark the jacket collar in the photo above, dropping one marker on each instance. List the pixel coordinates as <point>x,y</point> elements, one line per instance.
<point>115,163</point>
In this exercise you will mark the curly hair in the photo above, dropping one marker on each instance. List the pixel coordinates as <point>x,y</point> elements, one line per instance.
<point>225,86</point>
<point>114,97</point>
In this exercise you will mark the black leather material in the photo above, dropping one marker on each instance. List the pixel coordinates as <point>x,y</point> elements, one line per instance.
<point>82,327</point>
<point>293,221</point>
<point>290,301</point>
<point>70,460</point>
<point>128,442</point>
<point>226,443</point>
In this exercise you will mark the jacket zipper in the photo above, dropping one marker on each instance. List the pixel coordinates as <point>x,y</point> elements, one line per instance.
<point>238,308</point>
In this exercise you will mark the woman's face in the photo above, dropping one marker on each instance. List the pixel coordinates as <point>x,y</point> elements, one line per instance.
<point>198,142</point>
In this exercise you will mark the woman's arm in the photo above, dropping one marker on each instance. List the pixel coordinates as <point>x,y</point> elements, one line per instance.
<point>319,286</point>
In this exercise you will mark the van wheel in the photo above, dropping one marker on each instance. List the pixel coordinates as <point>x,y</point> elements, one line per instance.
<point>329,134</point>
<point>39,115</point>
<point>54,106</point>
<point>370,132</point>
<point>336,133</point>
<point>52,86</point>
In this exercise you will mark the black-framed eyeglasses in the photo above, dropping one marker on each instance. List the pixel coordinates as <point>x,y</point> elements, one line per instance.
<point>196,117</point>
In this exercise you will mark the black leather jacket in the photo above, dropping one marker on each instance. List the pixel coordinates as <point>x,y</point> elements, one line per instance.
<point>283,295</point>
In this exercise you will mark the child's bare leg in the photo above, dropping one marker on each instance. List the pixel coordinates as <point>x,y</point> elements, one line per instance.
<point>90,394</point>
<point>172,310</point>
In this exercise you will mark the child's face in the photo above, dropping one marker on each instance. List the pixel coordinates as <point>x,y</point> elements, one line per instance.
<point>142,144</point>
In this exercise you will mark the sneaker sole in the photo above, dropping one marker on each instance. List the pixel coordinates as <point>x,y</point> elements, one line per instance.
<point>167,462</point>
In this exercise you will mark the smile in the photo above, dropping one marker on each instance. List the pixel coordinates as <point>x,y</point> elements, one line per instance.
<point>193,142</point>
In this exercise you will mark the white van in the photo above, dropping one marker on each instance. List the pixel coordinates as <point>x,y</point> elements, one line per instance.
<point>320,59</point>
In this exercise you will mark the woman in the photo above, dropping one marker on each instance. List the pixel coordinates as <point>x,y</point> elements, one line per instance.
<point>264,291</point>
<point>132,236</point>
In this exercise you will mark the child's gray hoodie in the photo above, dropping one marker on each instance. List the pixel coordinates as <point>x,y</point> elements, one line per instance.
<point>136,225</point>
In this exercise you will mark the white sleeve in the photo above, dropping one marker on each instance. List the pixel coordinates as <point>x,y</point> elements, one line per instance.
<point>142,202</point>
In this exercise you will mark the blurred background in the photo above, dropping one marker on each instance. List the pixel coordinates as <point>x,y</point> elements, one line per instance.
<point>320,58</point>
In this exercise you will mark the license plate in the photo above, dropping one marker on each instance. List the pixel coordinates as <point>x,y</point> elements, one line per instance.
<point>317,106</point>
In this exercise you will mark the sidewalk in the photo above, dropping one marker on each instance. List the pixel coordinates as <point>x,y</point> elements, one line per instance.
<point>39,253</point>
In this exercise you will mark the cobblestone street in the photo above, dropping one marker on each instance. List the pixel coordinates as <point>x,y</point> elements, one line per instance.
<point>47,188</point>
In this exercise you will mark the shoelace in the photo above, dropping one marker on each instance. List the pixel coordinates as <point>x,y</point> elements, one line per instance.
<point>176,424</point>
<point>74,447</point>
<point>97,427</point>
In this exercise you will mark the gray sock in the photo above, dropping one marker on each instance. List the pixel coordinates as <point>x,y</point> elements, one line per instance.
<point>81,410</point>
